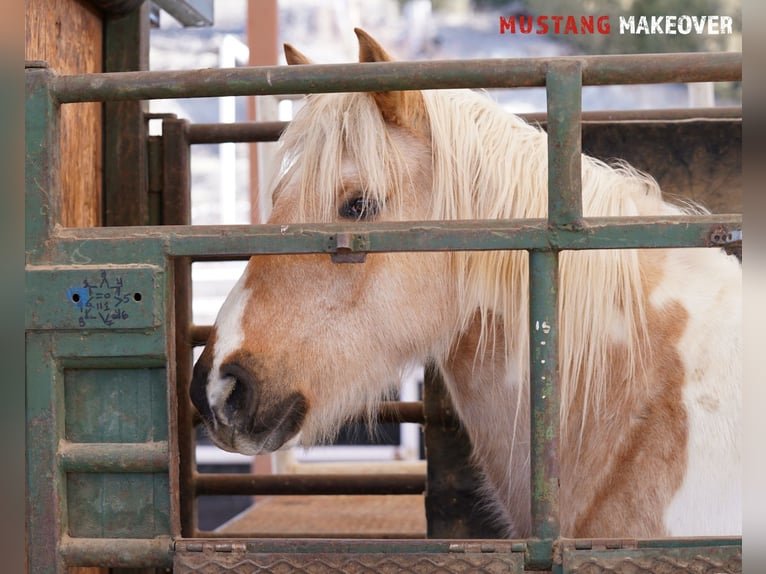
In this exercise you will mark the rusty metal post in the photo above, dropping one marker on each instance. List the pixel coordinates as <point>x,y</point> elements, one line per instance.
<point>176,210</point>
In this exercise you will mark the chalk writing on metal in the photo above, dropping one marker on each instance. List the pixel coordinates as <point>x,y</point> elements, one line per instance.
<point>103,302</point>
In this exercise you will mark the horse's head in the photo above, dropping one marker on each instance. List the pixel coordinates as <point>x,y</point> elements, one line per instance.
<point>302,343</point>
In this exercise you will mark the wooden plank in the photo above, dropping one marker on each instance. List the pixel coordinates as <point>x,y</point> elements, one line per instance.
<point>68,35</point>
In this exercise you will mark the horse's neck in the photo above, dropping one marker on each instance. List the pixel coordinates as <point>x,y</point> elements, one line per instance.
<point>485,393</point>
<point>651,423</point>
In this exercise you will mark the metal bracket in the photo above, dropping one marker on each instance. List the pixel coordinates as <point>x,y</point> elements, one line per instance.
<point>729,240</point>
<point>349,248</point>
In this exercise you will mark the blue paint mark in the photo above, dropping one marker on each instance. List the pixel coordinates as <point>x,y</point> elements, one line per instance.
<point>78,296</point>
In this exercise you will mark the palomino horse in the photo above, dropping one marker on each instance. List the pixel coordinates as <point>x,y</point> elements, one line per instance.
<point>649,339</point>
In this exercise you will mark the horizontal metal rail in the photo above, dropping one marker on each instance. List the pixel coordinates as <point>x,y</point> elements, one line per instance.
<point>377,76</point>
<point>262,534</point>
<point>114,457</point>
<point>117,552</point>
<point>246,132</point>
<point>217,241</point>
<point>240,132</point>
<point>252,484</point>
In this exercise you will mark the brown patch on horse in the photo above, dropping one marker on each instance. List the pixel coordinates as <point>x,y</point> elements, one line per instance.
<point>633,461</point>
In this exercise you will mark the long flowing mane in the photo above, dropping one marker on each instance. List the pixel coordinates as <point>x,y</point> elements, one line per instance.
<point>489,164</point>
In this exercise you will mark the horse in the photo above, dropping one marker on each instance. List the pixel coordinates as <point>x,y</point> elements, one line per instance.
<point>650,343</point>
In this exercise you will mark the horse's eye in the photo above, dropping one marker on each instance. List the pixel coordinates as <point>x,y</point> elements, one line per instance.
<point>359,208</point>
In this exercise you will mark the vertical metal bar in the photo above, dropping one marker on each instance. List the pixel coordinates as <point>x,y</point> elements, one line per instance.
<point>564,88</point>
<point>44,506</point>
<point>43,159</point>
<point>544,393</point>
<point>126,48</point>
<point>176,210</point>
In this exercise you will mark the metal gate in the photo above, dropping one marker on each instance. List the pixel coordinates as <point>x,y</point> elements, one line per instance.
<point>107,433</point>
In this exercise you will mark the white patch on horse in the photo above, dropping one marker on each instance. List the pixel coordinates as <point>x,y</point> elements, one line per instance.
<point>229,338</point>
<point>711,393</point>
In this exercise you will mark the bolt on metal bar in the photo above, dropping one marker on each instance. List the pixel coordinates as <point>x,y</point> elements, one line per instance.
<point>381,76</point>
<point>564,89</point>
<point>544,392</point>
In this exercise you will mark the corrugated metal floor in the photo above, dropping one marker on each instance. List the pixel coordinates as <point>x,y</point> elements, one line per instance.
<point>339,516</point>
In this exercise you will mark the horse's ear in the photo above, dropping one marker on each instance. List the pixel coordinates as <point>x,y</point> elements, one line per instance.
<point>403,108</point>
<point>369,49</point>
<point>295,57</point>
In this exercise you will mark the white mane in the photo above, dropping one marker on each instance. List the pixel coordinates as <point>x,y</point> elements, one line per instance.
<point>489,164</point>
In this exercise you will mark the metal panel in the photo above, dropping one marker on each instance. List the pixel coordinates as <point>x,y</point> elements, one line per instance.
<point>218,557</point>
<point>672,559</point>
<point>115,405</point>
<point>93,297</point>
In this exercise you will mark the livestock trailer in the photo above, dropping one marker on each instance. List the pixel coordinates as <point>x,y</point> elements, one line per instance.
<point>110,430</point>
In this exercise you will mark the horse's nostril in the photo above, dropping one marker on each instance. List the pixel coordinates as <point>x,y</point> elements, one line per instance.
<point>237,401</point>
<point>243,395</point>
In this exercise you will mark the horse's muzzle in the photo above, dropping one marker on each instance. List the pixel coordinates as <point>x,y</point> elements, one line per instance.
<point>244,419</point>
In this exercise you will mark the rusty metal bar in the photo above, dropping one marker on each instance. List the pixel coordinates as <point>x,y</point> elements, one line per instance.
<point>247,132</point>
<point>176,210</point>
<point>241,132</point>
<point>117,552</point>
<point>251,484</point>
<point>199,334</point>
<point>114,457</point>
<point>485,73</point>
<point>315,535</point>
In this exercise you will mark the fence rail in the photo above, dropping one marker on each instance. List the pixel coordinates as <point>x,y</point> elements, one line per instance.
<point>378,76</point>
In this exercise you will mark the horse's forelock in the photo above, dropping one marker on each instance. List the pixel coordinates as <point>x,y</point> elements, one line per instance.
<point>329,132</point>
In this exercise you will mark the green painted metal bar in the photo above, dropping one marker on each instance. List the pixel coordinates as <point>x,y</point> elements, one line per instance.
<point>564,89</point>
<point>216,241</point>
<point>118,552</point>
<point>544,392</point>
<point>43,159</point>
<point>114,457</point>
<point>45,481</point>
<point>487,73</point>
